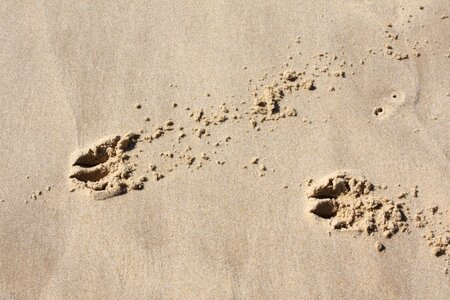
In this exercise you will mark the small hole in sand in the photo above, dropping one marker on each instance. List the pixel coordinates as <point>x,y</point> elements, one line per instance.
<point>394,96</point>
<point>377,111</point>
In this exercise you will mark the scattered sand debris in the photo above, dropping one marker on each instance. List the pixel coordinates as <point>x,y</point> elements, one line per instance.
<point>159,131</point>
<point>289,112</point>
<point>439,244</point>
<point>308,85</point>
<point>224,109</point>
<point>349,204</point>
<point>290,75</point>
<point>168,126</point>
<point>136,184</point>
<point>104,169</point>
<point>199,131</point>
<point>402,195</point>
<point>268,98</point>
<point>197,115</point>
<point>188,159</point>
<point>168,154</point>
<point>157,176</point>
<point>267,106</point>
<point>415,191</point>
<point>214,118</point>
<point>401,56</point>
<point>181,136</point>
<point>421,219</point>
<point>339,74</point>
<point>433,209</point>
<point>437,222</point>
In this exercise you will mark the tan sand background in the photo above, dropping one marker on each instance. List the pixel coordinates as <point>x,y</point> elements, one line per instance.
<point>71,72</point>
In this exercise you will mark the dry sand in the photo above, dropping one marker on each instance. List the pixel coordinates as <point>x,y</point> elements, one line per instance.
<point>225,150</point>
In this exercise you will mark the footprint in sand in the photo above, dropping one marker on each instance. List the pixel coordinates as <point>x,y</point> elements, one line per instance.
<point>104,169</point>
<point>350,202</point>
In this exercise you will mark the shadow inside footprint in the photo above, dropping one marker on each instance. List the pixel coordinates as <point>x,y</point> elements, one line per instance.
<point>96,155</point>
<point>90,174</point>
<point>326,208</point>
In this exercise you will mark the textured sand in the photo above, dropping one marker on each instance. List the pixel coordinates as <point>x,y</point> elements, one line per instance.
<point>212,150</point>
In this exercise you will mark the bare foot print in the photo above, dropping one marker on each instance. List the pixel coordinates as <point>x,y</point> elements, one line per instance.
<point>104,169</point>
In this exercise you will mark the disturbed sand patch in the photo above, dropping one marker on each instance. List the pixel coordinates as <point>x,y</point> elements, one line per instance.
<point>349,203</point>
<point>436,222</point>
<point>104,169</point>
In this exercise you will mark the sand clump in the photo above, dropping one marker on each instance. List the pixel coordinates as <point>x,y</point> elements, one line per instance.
<point>308,85</point>
<point>214,118</point>
<point>436,223</point>
<point>104,168</point>
<point>379,246</point>
<point>267,106</point>
<point>348,202</point>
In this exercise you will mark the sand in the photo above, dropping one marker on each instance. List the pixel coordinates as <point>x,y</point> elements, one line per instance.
<point>212,150</point>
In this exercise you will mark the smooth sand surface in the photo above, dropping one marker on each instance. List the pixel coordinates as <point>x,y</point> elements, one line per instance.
<point>218,196</point>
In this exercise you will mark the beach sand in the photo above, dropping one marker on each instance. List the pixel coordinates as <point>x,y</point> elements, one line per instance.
<point>225,150</point>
